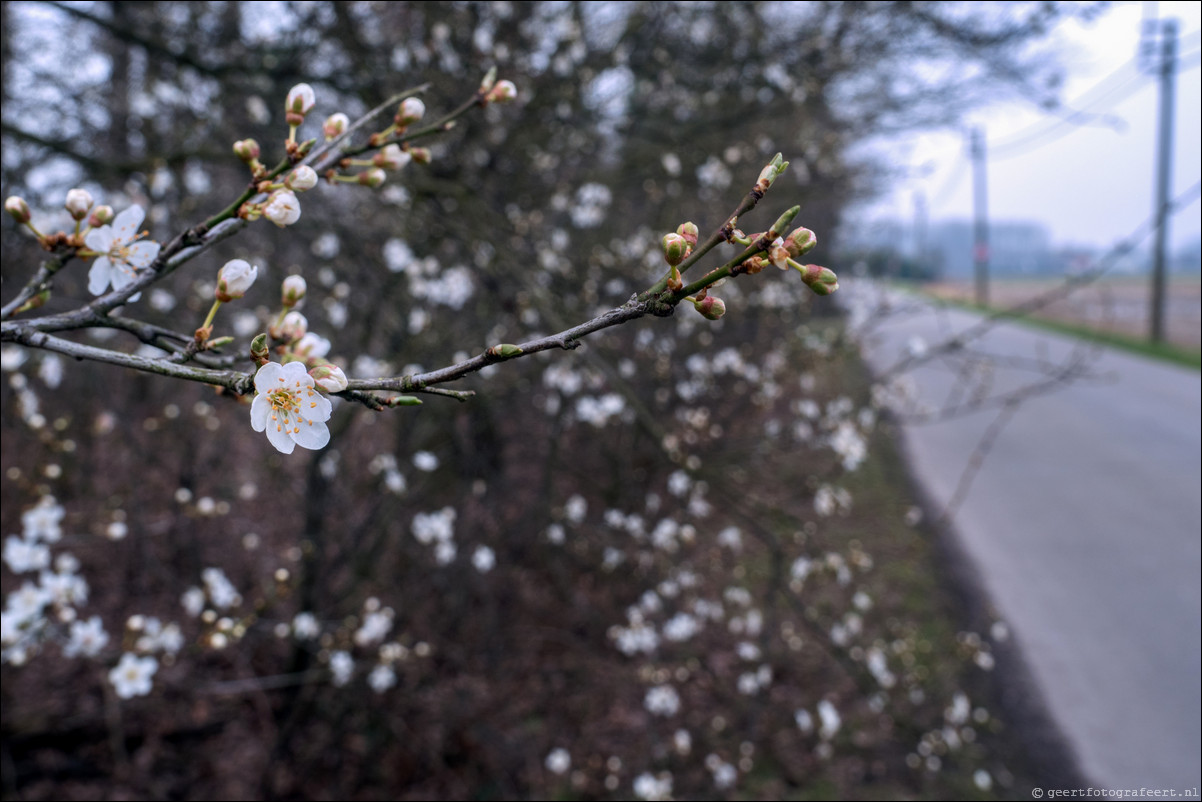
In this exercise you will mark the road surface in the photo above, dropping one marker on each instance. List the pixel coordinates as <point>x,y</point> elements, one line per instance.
<point>1083,526</point>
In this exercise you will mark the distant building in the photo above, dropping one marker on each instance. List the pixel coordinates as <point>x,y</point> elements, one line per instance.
<point>1015,248</point>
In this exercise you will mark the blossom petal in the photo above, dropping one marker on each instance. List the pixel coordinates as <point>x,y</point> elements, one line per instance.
<point>122,276</point>
<point>295,371</point>
<point>312,435</point>
<point>321,411</point>
<point>99,239</point>
<point>127,223</point>
<point>282,441</point>
<point>265,379</point>
<point>258,413</point>
<point>141,254</point>
<point>99,275</point>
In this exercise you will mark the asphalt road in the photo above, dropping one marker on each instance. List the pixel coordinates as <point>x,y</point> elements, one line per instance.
<point>1083,525</point>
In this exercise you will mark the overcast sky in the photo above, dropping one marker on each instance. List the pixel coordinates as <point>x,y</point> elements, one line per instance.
<point>1092,184</point>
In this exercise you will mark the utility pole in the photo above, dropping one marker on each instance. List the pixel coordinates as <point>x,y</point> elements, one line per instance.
<point>980,213</point>
<point>1164,159</point>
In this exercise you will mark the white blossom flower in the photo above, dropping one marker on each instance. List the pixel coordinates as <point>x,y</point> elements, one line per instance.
<point>121,254</point>
<point>381,678</point>
<point>234,279</point>
<point>193,601</point>
<point>558,761</point>
<point>288,406</point>
<point>375,627</point>
<point>305,626</point>
<point>25,555</point>
<point>301,179</point>
<point>42,521</point>
<point>483,558</point>
<point>282,208</point>
<point>662,700</point>
<point>412,109</point>
<point>79,201</point>
<point>391,157</point>
<point>342,666</point>
<point>132,675</point>
<point>88,638</point>
<point>576,508</point>
<point>311,346</point>
<point>301,99</point>
<point>831,722</point>
<point>221,591</point>
<point>648,786</point>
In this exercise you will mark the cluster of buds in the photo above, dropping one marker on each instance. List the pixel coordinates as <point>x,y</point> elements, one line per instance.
<point>79,204</point>
<point>784,252</point>
<point>677,247</point>
<point>711,308</point>
<point>493,91</point>
<point>296,343</point>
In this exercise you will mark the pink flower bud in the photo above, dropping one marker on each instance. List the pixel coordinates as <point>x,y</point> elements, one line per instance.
<point>334,125</point>
<point>821,280</point>
<point>18,208</point>
<point>391,157</point>
<point>372,178</point>
<point>412,109</point>
<point>676,248</point>
<point>689,232</point>
<point>282,208</point>
<point>329,378</point>
<point>420,155</point>
<point>234,279</point>
<point>292,291</point>
<point>711,308</point>
<point>301,179</point>
<point>503,92</point>
<point>800,242</point>
<point>247,150</point>
<point>100,216</point>
<point>79,201</point>
<point>300,101</point>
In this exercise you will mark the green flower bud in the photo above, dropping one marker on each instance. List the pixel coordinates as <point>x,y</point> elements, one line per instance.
<point>100,216</point>
<point>247,150</point>
<point>258,349</point>
<point>689,232</point>
<point>821,280</point>
<point>372,178</point>
<point>800,242</point>
<point>676,248</point>
<point>711,308</point>
<point>505,350</point>
<point>292,291</point>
